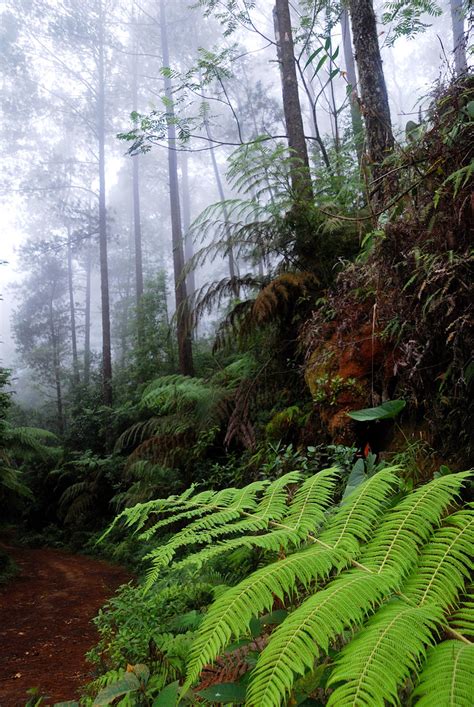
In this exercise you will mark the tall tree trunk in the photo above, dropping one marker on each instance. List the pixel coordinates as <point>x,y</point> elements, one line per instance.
<point>188,241</point>
<point>373,93</point>
<point>87,313</point>
<point>104,272</point>
<point>56,366</point>
<point>182,315</point>
<point>137,226</point>
<point>72,311</point>
<point>300,173</point>
<point>225,213</point>
<point>356,119</point>
<point>459,38</point>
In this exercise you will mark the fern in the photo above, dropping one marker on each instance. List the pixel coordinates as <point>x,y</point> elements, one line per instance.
<point>383,574</point>
<point>381,657</point>
<point>446,680</point>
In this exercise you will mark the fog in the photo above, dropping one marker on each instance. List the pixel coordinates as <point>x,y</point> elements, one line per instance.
<point>60,60</point>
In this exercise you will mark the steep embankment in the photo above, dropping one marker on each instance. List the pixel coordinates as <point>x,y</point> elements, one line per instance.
<point>45,622</point>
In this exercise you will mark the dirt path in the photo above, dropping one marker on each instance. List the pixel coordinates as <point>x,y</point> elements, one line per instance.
<point>45,622</point>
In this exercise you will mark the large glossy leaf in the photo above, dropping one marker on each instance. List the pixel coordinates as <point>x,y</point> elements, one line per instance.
<point>387,410</point>
<point>168,697</point>
<point>226,692</point>
<point>356,477</point>
<point>129,683</point>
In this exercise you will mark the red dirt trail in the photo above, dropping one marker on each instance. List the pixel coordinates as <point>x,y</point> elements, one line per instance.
<point>45,622</point>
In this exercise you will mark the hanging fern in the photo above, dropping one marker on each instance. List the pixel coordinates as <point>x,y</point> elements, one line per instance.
<point>383,574</point>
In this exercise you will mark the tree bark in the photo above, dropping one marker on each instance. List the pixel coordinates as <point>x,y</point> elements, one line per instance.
<point>373,91</point>
<point>137,225</point>
<point>356,118</point>
<point>188,241</point>
<point>72,311</point>
<point>300,172</point>
<point>104,272</point>
<point>459,38</point>
<point>182,310</point>
<point>56,366</point>
<point>87,314</point>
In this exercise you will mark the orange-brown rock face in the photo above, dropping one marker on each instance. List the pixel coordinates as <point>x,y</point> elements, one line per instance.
<point>347,371</point>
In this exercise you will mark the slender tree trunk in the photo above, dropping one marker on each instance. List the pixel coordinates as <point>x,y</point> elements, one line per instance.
<point>72,311</point>
<point>310,95</point>
<point>356,119</point>
<point>57,367</point>
<point>104,272</point>
<point>87,315</point>
<point>225,213</point>
<point>137,226</point>
<point>373,92</point>
<point>459,38</point>
<point>334,111</point>
<point>300,173</point>
<point>183,330</point>
<point>188,241</point>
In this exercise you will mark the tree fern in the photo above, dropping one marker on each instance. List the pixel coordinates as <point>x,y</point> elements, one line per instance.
<point>381,657</point>
<point>383,574</point>
<point>447,677</point>
<point>463,619</point>
<point>311,628</point>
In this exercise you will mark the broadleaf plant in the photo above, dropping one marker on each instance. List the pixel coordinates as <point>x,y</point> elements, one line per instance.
<point>374,587</point>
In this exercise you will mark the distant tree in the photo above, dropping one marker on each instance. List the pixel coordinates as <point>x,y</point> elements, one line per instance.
<point>41,323</point>
<point>182,317</point>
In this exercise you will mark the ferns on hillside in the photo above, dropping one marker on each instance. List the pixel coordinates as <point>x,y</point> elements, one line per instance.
<point>383,574</point>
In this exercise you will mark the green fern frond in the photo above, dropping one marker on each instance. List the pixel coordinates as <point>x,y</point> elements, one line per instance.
<point>445,564</point>
<point>356,517</point>
<point>463,619</point>
<point>447,677</point>
<point>404,528</point>
<point>383,654</point>
<point>230,615</point>
<point>311,629</point>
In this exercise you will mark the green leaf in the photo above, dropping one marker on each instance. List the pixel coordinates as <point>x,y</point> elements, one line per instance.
<point>312,56</point>
<point>356,477</point>
<point>387,410</point>
<point>226,692</point>
<point>320,64</point>
<point>142,672</point>
<point>169,696</point>
<point>129,683</point>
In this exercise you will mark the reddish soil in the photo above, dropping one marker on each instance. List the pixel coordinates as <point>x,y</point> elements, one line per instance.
<point>45,623</point>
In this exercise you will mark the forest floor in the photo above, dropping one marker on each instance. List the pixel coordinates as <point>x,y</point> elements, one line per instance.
<point>45,622</point>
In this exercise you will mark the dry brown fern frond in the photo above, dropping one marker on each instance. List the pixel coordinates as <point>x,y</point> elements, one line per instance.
<point>277,302</point>
<point>162,449</point>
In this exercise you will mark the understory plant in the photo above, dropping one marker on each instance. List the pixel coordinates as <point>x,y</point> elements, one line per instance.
<point>377,607</point>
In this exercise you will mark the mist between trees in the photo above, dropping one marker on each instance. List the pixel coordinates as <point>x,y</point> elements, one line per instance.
<point>143,139</point>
